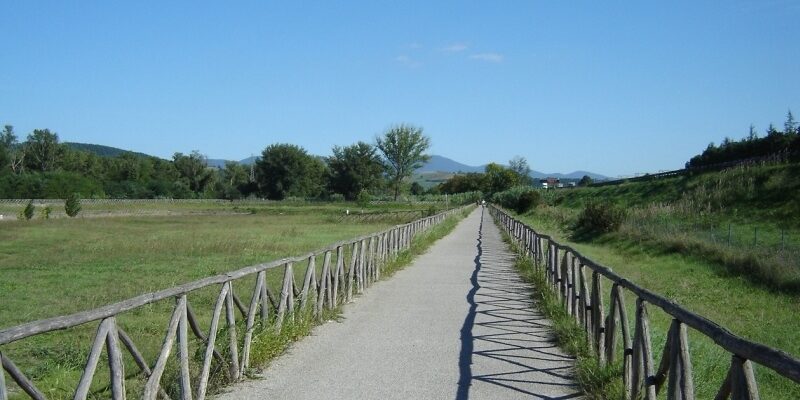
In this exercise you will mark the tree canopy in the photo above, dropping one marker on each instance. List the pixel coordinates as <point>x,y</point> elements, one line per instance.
<point>354,168</point>
<point>286,170</point>
<point>776,143</point>
<point>403,148</point>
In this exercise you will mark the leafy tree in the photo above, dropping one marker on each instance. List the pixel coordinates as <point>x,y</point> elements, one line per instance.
<point>286,170</point>
<point>232,181</point>
<point>499,178</point>
<point>353,169</point>
<point>586,180</point>
<point>403,148</point>
<point>7,137</point>
<point>363,198</point>
<point>520,165</point>
<point>471,182</point>
<point>234,174</point>
<point>5,156</point>
<point>72,205</point>
<point>193,168</point>
<point>42,150</point>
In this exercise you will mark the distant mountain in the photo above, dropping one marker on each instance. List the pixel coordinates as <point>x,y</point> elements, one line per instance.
<point>216,162</point>
<point>572,175</point>
<point>249,160</point>
<point>103,151</point>
<point>444,164</point>
<point>439,168</point>
<point>220,163</point>
<point>447,165</point>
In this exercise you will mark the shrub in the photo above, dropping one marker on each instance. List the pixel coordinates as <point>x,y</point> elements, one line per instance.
<point>45,214</point>
<point>519,198</point>
<point>363,198</point>
<point>72,206</point>
<point>27,212</point>
<point>599,218</point>
<point>528,200</point>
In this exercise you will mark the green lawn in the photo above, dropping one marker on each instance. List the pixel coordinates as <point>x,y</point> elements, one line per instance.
<point>750,310</point>
<point>61,266</point>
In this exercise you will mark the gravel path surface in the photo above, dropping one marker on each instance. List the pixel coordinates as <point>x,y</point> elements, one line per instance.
<point>456,324</point>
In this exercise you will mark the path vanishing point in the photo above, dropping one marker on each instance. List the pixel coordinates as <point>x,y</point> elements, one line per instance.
<point>458,323</point>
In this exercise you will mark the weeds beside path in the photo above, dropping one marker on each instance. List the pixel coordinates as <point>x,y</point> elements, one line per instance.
<point>753,311</point>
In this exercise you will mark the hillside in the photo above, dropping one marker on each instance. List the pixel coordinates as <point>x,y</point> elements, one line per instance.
<point>751,193</point>
<point>101,150</point>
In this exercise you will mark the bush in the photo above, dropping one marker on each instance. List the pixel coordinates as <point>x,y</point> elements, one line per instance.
<point>45,214</point>
<point>363,198</point>
<point>520,199</point>
<point>599,218</point>
<point>528,200</point>
<point>27,212</point>
<point>73,205</point>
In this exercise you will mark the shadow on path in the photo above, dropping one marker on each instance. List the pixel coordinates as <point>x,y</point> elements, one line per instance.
<point>507,346</point>
<point>465,356</point>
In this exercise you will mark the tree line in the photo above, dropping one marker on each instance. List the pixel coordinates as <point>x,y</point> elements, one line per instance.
<point>784,144</point>
<point>43,167</point>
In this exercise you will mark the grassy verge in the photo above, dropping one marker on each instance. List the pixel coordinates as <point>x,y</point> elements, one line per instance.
<point>596,381</point>
<point>756,312</point>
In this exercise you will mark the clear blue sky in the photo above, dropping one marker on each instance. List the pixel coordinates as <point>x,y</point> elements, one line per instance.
<point>611,87</point>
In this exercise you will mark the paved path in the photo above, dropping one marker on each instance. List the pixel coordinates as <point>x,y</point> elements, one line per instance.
<point>456,324</point>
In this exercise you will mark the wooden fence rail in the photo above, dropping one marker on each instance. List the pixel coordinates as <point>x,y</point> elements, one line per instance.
<point>578,282</point>
<point>334,286</point>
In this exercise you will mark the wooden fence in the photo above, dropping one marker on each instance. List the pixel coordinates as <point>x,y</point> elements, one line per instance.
<point>334,286</point>
<point>582,297</point>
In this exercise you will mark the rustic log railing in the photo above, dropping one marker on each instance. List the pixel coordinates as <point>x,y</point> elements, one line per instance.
<point>566,272</point>
<point>335,285</point>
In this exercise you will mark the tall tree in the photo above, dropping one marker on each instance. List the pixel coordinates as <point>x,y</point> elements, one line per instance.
<point>235,174</point>
<point>286,170</point>
<point>193,168</point>
<point>7,140</point>
<point>234,181</point>
<point>752,135</point>
<point>520,165</point>
<point>403,148</point>
<point>42,150</point>
<point>354,168</point>
<point>500,178</point>
<point>790,126</point>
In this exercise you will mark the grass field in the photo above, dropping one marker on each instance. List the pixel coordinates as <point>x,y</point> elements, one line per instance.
<point>60,266</point>
<point>754,311</point>
<point>126,208</point>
